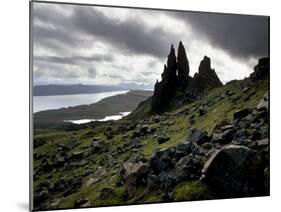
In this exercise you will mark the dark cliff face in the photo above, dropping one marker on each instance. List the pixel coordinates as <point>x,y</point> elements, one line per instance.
<point>175,77</point>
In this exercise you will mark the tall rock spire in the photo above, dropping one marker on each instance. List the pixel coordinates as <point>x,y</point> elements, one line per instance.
<point>172,68</point>
<point>165,90</point>
<point>183,66</point>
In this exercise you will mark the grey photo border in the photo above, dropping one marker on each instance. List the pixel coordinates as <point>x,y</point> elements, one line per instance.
<point>31,127</point>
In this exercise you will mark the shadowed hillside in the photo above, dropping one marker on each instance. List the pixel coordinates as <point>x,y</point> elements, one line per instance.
<point>193,139</point>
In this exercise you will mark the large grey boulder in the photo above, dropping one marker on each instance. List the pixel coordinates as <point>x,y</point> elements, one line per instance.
<point>133,175</point>
<point>264,103</point>
<point>235,171</point>
<point>161,161</point>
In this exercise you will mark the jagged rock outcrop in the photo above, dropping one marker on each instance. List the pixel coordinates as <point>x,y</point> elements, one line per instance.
<point>204,80</point>
<point>176,77</point>
<point>206,77</point>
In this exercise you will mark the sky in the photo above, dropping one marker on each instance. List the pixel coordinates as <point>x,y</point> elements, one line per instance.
<point>104,45</point>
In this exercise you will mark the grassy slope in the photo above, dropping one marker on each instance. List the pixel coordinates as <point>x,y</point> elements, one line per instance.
<point>175,125</point>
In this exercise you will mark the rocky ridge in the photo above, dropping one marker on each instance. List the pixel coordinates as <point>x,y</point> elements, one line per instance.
<point>175,77</point>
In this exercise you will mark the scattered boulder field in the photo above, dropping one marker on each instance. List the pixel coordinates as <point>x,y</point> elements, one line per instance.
<point>209,147</point>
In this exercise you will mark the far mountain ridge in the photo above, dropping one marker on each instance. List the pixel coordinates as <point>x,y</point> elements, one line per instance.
<point>71,89</point>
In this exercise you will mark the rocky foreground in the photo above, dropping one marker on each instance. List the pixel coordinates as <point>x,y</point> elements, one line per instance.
<point>233,160</point>
<point>213,146</point>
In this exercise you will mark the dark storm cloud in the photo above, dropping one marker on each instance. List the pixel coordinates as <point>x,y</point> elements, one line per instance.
<point>242,36</point>
<point>46,69</point>
<point>131,35</point>
<point>74,60</point>
<point>69,40</point>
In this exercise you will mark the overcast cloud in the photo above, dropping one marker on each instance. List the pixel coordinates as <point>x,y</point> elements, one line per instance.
<point>102,45</point>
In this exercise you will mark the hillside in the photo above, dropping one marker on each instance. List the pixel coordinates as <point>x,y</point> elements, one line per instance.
<point>49,90</point>
<point>106,107</point>
<point>192,143</point>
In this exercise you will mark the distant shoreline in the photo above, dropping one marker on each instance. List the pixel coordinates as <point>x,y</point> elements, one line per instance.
<point>56,89</point>
<point>57,102</point>
<point>99,107</point>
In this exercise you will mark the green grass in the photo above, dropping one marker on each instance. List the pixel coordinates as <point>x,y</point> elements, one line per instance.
<point>192,190</point>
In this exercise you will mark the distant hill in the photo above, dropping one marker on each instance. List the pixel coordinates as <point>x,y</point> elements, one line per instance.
<point>106,107</point>
<point>53,89</point>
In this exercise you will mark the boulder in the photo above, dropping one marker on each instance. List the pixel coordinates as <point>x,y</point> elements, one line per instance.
<point>152,180</point>
<point>59,160</point>
<point>72,184</point>
<point>133,175</point>
<point>266,181</point>
<point>38,142</point>
<point>109,135</point>
<point>77,155</point>
<point>216,138</point>
<point>241,113</point>
<point>201,111</point>
<point>40,198</point>
<point>161,161</point>
<point>187,168</point>
<point>182,150</point>
<point>264,103</point>
<point>241,134</point>
<point>80,202</point>
<point>235,171</point>
<point>96,146</point>
<point>221,125</point>
<point>162,139</point>
<point>262,143</point>
<point>227,136</point>
<point>143,129</point>
<point>106,192</point>
<point>197,136</point>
